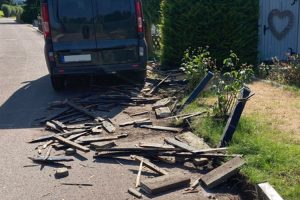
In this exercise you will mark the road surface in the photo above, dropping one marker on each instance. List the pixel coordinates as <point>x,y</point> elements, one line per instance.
<point>25,92</point>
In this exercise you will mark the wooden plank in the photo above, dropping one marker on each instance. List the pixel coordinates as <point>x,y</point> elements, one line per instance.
<point>150,165</point>
<point>76,136</point>
<point>59,124</point>
<point>107,145</point>
<point>140,113</point>
<point>133,122</point>
<point>51,159</point>
<point>164,183</point>
<point>154,89</point>
<point>72,144</point>
<point>162,112</point>
<point>109,127</point>
<point>179,144</point>
<point>138,178</point>
<point>161,103</point>
<point>161,128</point>
<point>135,193</point>
<point>212,150</point>
<point>103,138</point>
<point>155,145</point>
<point>222,173</point>
<point>267,192</point>
<point>192,140</point>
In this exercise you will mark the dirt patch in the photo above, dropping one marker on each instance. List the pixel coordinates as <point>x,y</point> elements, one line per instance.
<point>279,107</point>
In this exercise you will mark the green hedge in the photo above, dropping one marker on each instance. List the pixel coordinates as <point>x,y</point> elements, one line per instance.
<point>221,24</point>
<point>11,11</point>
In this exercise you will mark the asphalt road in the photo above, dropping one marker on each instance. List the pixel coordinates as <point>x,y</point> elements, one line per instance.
<point>25,92</point>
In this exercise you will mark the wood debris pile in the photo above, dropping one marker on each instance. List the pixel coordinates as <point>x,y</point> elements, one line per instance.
<point>84,124</point>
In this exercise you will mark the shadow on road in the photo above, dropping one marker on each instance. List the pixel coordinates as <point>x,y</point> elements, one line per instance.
<point>30,102</point>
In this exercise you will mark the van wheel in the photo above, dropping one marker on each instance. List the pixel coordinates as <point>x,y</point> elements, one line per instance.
<point>58,82</point>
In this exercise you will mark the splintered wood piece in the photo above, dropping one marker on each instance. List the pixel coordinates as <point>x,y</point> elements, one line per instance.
<point>97,129</point>
<point>52,126</point>
<point>138,178</point>
<point>74,137</point>
<point>155,145</point>
<point>154,89</point>
<point>72,144</point>
<point>150,165</point>
<point>135,193</point>
<point>51,159</point>
<point>48,153</point>
<point>47,144</point>
<point>179,144</point>
<point>267,192</point>
<point>161,103</point>
<point>222,173</point>
<point>164,183</point>
<point>161,128</point>
<point>133,122</point>
<point>107,145</point>
<point>59,124</point>
<point>108,127</point>
<point>140,113</point>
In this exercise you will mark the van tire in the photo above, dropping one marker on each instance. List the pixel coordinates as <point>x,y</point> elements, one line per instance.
<point>58,82</point>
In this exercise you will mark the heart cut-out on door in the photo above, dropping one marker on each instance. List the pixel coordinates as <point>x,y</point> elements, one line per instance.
<point>281,15</point>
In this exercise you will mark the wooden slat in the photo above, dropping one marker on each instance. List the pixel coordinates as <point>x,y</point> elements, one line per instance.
<point>179,144</point>
<point>161,128</point>
<point>72,144</point>
<point>150,165</point>
<point>103,138</point>
<point>164,183</point>
<point>222,173</point>
<point>267,192</point>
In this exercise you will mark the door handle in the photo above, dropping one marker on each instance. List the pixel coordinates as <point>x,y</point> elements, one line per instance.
<point>265,29</point>
<point>86,32</point>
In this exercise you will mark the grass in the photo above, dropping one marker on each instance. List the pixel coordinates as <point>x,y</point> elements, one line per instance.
<point>1,14</point>
<point>271,155</point>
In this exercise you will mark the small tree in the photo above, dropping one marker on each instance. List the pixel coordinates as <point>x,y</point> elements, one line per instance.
<point>6,10</point>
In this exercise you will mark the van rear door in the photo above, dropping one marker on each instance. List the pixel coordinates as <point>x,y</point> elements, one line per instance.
<point>116,32</point>
<point>73,31</point>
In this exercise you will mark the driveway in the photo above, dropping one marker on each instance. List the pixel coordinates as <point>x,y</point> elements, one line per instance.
<point>25,93</point>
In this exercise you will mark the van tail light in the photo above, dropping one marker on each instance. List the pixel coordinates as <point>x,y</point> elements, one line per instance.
<point>139,14</point>
<point>45,22</point>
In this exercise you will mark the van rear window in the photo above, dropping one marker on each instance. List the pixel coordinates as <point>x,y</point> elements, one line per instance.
<point>114,10</point>
<point>70,10</point>
<point>116,18</point>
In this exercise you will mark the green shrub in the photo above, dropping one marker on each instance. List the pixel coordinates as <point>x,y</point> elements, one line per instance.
<point>6,10</point>
<point>226,84</point>
<point>282,72</point>
<point>223,25</point>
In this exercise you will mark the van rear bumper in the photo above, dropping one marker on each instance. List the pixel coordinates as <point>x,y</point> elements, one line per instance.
<point>98,70</point>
